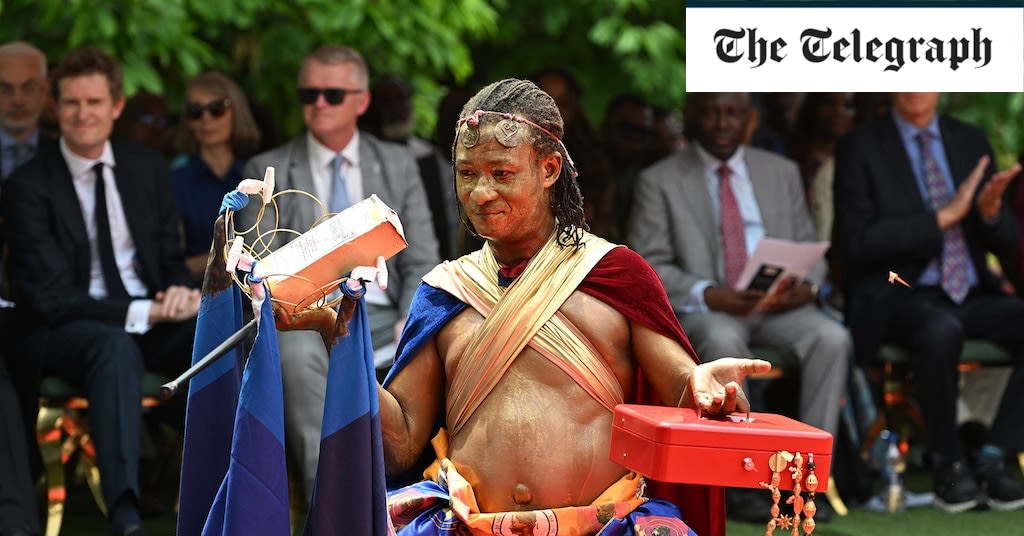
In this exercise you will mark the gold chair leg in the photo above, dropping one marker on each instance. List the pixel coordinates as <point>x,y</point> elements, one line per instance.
<point>834,500</point>
<point>49,433</point>
<point>89,471</point>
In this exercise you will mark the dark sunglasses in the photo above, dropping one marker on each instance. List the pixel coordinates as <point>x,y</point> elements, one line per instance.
<point>217,108</point>
<point>333,95</point>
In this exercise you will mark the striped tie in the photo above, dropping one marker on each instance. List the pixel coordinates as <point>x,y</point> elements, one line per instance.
<point>734,242</point>
<point>954,248</point>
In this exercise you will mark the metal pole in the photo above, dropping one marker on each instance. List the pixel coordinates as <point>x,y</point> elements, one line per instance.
<point>168,389</point>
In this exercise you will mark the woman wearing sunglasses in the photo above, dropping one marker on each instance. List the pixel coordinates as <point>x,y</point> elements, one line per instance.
<point>216,135</point>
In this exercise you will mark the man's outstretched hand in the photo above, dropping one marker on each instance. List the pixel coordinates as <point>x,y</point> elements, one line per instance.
<point>715,386</point>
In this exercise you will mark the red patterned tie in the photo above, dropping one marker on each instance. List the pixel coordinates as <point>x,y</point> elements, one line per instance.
<point>954,247</point>
<point>734,242</point>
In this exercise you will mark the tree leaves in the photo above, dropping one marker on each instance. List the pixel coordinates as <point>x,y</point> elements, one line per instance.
<point>613,46</point>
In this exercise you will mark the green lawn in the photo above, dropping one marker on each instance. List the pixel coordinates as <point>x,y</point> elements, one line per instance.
<point>922,521</point>
<point>915,522</point>
<point>82,518</point>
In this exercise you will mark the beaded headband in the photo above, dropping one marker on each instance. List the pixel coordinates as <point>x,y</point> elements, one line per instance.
<point>507,132</point>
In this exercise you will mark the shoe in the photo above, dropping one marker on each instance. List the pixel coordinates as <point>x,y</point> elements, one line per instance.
<point>749,505</point>
<point>955,489</point>
<point>1005,492</point>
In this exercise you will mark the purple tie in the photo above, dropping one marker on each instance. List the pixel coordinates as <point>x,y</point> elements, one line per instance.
<point>734,241</point>
<point>954,248</point>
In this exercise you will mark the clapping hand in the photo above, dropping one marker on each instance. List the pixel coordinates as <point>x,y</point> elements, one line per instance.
<point>990,198</point>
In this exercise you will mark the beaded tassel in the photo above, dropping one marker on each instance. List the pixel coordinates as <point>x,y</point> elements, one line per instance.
<point>796,499</point>
<point>812,485</point>
<point>779,462</point>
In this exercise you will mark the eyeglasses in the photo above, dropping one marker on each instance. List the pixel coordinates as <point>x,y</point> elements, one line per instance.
<point>333,95</point>
<point>217,108</point>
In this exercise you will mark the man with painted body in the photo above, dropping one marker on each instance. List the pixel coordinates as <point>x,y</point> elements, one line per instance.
<point>527,345</point>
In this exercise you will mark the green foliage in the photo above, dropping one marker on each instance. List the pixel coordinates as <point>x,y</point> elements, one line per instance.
<point>612,46</point>
<point>1000,115</point>
<point>163,43</point>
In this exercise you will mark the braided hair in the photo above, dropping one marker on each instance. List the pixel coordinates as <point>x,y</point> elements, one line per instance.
<point>524,99</point>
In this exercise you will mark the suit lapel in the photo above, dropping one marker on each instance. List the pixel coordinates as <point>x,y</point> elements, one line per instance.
<point>298,212</point>
<point>960,165</point>
<point>371,169</point>
<point>902,177</point>
<point>693,190</point>
<point>767,193</point>
<point>134,183</point>
<point>65,201</point>
<point>127,177</point>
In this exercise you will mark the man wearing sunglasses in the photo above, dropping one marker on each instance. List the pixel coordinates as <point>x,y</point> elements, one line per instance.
<point>340,165</point>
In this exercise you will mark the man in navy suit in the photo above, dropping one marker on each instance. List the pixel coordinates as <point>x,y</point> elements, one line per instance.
<point>918,194</point>
<point>17,500</point>
<point>22,97</point>
<point>97,268</point>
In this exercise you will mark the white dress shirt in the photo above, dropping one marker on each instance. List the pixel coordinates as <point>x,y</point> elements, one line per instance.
<point>321,159</point>
<point>753,225</point>
<point>84,179</point>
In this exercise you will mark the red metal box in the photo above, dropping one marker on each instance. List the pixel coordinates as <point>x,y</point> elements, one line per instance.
<point>675,445</point>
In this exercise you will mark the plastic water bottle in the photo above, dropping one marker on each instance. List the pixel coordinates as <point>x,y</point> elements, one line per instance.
<point>895,466</point>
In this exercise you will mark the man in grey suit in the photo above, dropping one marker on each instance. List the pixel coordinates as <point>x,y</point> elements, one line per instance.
<point>340,165</point>
<point>698,215</point>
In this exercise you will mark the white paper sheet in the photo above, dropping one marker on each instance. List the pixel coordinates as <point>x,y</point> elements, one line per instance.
<point>795,258</point>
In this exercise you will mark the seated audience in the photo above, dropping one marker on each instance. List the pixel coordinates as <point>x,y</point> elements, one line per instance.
<point>146,120</point>
<point>597,182</point>
<point>18,515</point>
<point>218,134</point>
<point>391,117</point>
<point>917,193</point>
<point>632,142</point>
<point>697,217</point>
<point>1017,276</point>
<point>870,106</point>
<point>822,120</point>
<point>774,115</point>
<point>22,99</point>
<point>444,136</point>
<point>97,268</point>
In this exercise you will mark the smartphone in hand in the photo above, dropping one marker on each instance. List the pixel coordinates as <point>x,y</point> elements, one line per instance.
<point>765,277</point>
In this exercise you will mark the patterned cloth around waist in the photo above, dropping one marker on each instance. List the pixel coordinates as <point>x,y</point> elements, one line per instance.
<point>448,506</point>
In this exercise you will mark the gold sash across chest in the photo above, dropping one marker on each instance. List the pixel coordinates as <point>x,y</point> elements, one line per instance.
<point>525,313</point>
